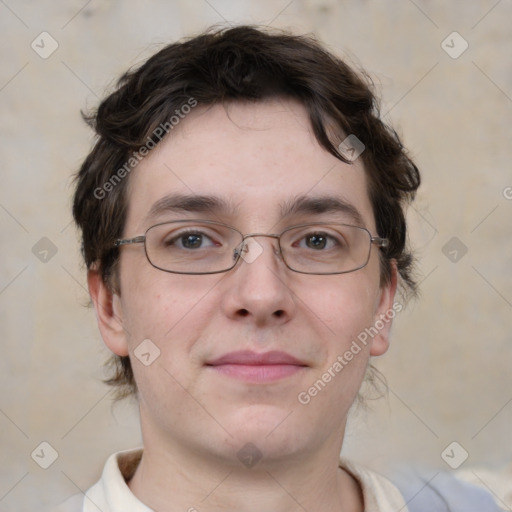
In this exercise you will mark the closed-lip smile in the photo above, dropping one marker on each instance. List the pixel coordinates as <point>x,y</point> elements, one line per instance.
<point>257,367</point>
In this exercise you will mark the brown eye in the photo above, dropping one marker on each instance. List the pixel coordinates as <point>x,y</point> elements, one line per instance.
<point>192,241</point>
<point>316,241</point>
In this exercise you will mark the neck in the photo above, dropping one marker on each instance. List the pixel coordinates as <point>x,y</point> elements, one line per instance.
<point>172,478</point>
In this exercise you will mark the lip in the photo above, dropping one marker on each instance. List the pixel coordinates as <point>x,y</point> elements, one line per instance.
<point>247,357</point>
<point>257,367</point>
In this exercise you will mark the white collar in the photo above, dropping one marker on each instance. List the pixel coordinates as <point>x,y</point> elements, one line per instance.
<point>112,494</point>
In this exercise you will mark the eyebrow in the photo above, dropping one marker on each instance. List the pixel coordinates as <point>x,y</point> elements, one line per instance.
<point>191,203</point>
<point>321,204</point>
<point>179,203</point>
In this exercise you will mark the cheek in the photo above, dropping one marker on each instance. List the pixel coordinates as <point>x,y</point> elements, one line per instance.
<point>157,303</point>
<point>172,316</point>
<point>346,305</point>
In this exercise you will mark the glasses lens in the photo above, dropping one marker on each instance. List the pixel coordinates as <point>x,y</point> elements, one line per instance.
<point>326,248</point>
<point>192,247</point>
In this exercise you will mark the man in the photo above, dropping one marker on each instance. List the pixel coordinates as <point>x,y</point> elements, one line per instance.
<point>244,235</point>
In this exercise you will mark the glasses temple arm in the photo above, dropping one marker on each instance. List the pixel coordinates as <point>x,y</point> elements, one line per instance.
<point>136,240</point>
<point>380,242</point>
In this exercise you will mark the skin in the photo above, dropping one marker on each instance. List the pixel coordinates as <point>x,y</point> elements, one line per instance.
<point>195,420</point>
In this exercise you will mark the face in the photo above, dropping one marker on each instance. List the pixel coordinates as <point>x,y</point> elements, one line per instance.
<point>241,351</point>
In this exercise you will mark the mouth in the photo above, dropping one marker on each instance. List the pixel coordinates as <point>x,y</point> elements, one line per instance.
<point>257,367</point>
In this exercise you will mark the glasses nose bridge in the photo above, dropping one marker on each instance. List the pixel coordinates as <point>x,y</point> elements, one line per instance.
<point>277,250</point>
<point>268,235</point>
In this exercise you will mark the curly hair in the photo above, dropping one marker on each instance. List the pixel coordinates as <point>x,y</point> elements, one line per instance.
<point>240,64</point>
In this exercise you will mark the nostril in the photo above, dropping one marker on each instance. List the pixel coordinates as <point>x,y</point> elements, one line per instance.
<point>279,313</point>
<point>243,312</point>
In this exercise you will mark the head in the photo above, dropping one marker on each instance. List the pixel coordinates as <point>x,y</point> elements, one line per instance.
<point>241,124</point>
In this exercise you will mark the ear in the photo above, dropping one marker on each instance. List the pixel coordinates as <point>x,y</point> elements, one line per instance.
<point>108,313</point>
<point>385,311</point>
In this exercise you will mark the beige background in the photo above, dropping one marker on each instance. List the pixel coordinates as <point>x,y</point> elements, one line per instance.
<point>449,366</point>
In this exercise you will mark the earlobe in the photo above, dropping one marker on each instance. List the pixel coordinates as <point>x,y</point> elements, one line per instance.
<point>108,313</point>
<point>385,312</point>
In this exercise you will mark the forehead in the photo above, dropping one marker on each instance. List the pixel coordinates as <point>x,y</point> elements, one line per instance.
<point>256,163</point>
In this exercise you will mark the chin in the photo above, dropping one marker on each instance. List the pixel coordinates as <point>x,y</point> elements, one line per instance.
<point>271,429</point>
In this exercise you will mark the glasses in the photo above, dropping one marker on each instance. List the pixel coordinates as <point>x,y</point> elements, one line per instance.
<point>207,247</point>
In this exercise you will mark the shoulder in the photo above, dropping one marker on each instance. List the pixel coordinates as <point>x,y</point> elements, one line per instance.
<point>111,492</point>
<point>442,491</point>
<point>380,495</point>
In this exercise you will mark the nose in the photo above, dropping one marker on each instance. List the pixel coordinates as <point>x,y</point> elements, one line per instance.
<point>258,288</point>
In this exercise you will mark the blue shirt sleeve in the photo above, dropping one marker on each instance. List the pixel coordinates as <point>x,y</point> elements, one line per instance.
<point>442,492</point>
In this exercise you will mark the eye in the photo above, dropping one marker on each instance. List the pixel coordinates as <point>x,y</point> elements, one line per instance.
<point>318,241</point>
<point>189,239</point>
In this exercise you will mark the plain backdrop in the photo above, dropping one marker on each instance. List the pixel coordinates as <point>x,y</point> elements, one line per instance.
<point>448,368</point>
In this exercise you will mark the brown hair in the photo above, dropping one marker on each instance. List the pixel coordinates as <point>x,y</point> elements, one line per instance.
<point>237,64</point>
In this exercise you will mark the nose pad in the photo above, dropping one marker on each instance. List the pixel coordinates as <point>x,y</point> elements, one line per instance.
<point>250,249</point>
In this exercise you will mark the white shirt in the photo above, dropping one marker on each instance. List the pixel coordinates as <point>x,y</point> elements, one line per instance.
<point>112,494</point>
